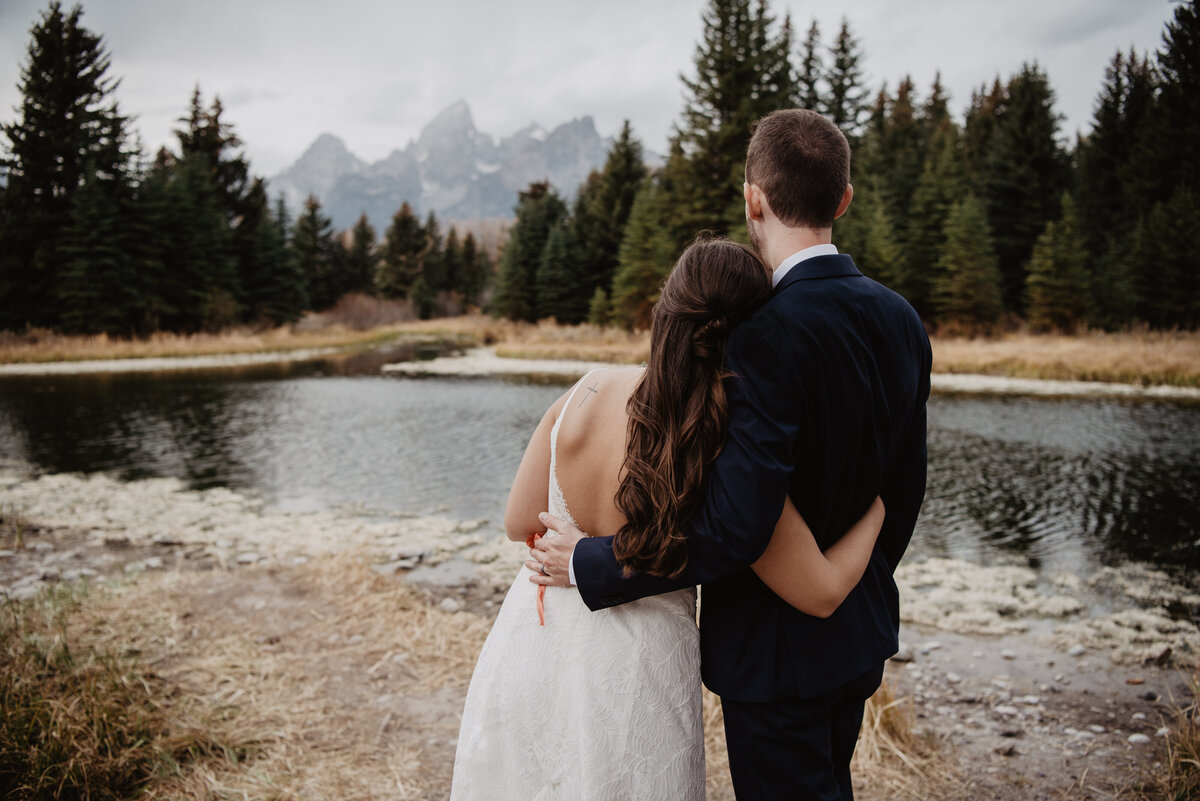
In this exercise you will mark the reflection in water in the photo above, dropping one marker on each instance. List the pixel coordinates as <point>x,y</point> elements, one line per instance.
<point>1058,484</point>
<point>1062,481</point>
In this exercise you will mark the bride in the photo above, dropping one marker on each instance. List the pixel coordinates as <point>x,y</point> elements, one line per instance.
<point>606,705</point>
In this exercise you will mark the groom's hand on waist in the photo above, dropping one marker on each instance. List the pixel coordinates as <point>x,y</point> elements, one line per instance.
<point>550,557</point>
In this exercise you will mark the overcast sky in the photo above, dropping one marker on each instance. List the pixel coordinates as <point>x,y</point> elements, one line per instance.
<point>375,71</point>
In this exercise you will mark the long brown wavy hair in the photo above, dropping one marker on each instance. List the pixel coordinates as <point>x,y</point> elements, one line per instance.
<point>677,413</point>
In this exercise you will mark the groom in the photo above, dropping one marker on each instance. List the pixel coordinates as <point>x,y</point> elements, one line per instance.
<point>827,406</point>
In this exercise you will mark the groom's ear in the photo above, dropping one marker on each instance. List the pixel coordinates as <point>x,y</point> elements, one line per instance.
<point>754,201</point>
<point>847,196</point>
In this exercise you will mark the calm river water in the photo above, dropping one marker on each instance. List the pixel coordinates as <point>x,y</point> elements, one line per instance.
<point>1057,484</point>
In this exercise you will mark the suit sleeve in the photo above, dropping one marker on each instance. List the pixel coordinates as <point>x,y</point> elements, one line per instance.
<point>904,490</point>
<point>747,484</point>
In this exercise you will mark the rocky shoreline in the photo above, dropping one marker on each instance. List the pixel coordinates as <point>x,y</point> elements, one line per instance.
<point>1025,681</point>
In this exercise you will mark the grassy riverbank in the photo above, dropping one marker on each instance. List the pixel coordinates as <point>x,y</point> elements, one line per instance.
<point>1149,358</point>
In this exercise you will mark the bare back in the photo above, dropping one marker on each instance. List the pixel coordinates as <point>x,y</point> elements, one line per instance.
<point>591,447</point>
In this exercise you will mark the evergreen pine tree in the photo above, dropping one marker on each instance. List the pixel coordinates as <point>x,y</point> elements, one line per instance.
<point>557,279</point>
<point>1177,118</point>
<point>743,71</point>
<point>846,103</point>
<point>315,248</point>
<point>882,256</point>
<point>601,212</point>
<point>810,71</point>
<point>69,128</point>
<point>433,266</point>
<point>476,270</point>
<point>942,183</point>
<point>1167,276</point>
<point>647,253</point>
<point>424,299</point>
<point>452,261</point>
<point>1025,173</point>
<point>400,264</point>
<point>98,289</point>
<point>598,310</point>
<point>1058,296</point>
<point>362,258</point>
<point>967,292</point>
<point>538,210</point>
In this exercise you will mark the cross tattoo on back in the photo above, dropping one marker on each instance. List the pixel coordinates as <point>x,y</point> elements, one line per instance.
<point>592,389</point>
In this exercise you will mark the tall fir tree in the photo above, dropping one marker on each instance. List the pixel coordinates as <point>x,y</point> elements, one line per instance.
<point>1058,294</point>
<point>647,253</point>
<point>557,279</point>
<point>742,72</point>
<point>433,265</point>
<point>601,211</point>
<point>810,70</point>
<point>362,257</point>
<point>942,183</point>
<point>316,249</point>
<point>539,209</point>
<point>847,102</point>
<point>400,262</point>
<point>1025,173</point>
<point>69,129</point>
<point>452,261</point>
<point>967,292</point>
<point>476,270</point>
<point>1167,277</point>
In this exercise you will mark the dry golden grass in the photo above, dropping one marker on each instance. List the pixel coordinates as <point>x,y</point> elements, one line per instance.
<point>1138,357</point>
<point>327,681</point>
<point>1182,782</point>
<point>1135,357</point>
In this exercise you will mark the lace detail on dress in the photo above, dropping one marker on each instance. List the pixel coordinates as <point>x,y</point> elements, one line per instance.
<point>595,706</point>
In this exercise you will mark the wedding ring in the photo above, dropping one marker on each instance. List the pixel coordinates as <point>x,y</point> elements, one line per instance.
<point>542,568</point>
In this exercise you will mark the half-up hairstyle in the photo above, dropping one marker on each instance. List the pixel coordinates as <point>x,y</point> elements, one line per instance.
<point>677,413</point>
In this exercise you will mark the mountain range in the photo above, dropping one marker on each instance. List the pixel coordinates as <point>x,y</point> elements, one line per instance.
<point>451,169</point>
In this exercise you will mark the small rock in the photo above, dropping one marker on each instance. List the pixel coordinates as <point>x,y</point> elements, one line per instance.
<point>7,554</point>
<point>1096,729</point>
<point>1086,735</point>
<point>1149,695</point>
<point>355,639</point>
<point>153,563</point>
<point>40,546</point>
<point>1007,750</point>
<point>1139,716</point>
<point>1059,677</point>
<point>299,560</point>
<point>953,678</point>
<point>905,654</point>
<point>1007,654</point>
<point>1070,731</point>
<point>1076,650</point>
<point>932,645</point>
<point>1163,732</point>
<point>1011,732</point>
<point>23,593</point>
<point>450,605</point>
<point>249,558</point>
<point>1028,700</point>
<point>1005,709</point>
<point>1138,739</point>
<point>51,574</point>
<point>224,543</point>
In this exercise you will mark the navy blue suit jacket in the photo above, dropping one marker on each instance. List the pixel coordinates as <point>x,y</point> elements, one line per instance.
<point>827,406</point>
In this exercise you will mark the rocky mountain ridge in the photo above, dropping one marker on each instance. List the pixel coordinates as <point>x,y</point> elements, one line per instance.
<point>451,169</point>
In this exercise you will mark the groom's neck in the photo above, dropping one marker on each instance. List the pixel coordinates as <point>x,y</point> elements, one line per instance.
<point>783,242</point>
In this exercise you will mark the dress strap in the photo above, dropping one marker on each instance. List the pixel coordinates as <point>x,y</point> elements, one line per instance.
<point>563,413</point>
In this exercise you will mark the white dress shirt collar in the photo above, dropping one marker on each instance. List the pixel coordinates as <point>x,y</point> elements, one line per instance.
<point>794,259</point>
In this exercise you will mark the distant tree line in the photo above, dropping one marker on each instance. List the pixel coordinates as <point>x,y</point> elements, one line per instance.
<point>97,238</point>
<point>984,220</point>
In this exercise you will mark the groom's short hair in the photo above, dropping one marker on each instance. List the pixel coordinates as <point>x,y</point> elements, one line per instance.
<point>801,162</point>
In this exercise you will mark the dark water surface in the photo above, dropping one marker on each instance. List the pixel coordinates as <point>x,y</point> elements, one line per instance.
<point>1059,484</point>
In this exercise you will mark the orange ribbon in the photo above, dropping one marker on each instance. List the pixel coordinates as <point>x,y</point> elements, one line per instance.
<point>541,593</point>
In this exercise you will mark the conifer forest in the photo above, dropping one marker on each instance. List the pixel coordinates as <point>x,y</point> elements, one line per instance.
<point>985,220</point>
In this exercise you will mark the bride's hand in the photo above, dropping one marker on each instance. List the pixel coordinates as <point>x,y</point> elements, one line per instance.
<point>553,554</point>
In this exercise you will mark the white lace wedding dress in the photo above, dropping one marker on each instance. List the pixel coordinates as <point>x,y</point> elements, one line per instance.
<point>595,706</point>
